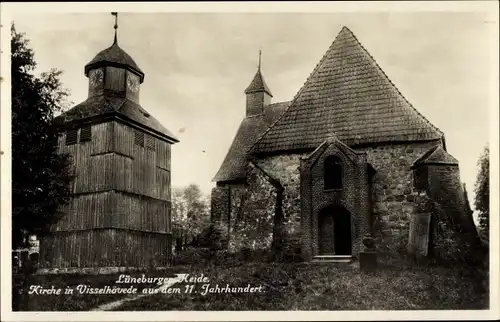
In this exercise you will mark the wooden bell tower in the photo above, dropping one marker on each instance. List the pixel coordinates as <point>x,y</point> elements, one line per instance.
<point>119,216</point>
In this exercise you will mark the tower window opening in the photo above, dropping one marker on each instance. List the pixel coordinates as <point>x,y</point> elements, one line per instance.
<point>71,136</point>
<point>150,143</point>
<point>86,134</point>
<point>139,138</point>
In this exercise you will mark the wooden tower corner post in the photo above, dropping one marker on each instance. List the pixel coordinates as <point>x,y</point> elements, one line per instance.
<point>119,215</point>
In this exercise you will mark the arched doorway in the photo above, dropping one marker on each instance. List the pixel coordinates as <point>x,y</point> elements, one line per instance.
<point>334,231</point>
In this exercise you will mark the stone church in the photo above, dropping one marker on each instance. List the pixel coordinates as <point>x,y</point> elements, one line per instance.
<point>119,215</point>
<point>319,170</point>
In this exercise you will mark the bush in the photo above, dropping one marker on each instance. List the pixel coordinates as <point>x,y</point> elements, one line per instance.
<point>192,256</point>
<point>289,251</point>
<point>213,237</point>
<point>246,255</point>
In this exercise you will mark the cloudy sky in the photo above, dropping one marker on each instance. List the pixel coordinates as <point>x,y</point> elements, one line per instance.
<point>197,66</point>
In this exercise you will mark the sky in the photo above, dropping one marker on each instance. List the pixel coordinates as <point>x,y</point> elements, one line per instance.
<point>197,66</point>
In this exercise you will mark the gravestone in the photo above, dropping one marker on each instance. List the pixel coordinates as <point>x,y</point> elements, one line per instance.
<point>368,257</point>
<point>418,240</point>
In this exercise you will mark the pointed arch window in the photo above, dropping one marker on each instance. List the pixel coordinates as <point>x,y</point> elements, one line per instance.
<point>333,173</point>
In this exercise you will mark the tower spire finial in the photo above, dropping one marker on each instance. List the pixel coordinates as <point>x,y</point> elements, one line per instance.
<point>260,54</point>
<point>115,26</point>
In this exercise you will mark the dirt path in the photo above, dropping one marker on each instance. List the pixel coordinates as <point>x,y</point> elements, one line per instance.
<point>116,304</point>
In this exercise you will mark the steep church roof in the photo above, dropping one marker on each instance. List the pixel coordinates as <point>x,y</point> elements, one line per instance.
<point>349,94</point>
<point>234,165</point>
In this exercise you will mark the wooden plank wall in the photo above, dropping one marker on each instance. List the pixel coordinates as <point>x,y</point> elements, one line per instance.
<point>102,138</point>
<point>115,79</point>
<point>126,249</point>
<point>134,212</point>
<point>163,155</point>
<point>114,162</point>
<point>115,209</point>
<point>141,170</point>
<point>88,211</point>
<point>119,185</point>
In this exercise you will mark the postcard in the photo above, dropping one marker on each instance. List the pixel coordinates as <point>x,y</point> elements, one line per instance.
<point>249,161</point>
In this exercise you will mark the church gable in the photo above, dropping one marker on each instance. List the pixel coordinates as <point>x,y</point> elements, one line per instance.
<point>347,94</point>
<point>349,154</point>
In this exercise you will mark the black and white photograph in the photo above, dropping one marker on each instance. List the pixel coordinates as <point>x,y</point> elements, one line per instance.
<point>249,161</point>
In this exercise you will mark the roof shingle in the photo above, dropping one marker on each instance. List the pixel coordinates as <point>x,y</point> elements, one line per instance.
<point>347,94</point>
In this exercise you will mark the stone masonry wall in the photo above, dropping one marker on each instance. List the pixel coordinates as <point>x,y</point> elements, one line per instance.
<point>252,212</point>
<point>247,210</point>
<point>446,189</point>
<point>253,205</point>
<point>393,192</point>
<point>219,205</point>
<point>286,169</point>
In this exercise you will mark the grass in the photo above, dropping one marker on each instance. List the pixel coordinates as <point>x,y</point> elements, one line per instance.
<point>291,286</point>
<point>327,287</point>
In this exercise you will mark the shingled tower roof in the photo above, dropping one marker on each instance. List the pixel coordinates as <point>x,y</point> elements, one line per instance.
<point>349,94</point>
<point>114,56</point>
<point>258,84</point>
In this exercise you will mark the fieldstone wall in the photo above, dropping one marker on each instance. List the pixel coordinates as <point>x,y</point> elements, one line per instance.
<point>219,205</point>
<point>252,212</point>
<point>247,210</point>
<point>286,170</point>
<point>445,188</point>
<point>252,207</point>
<point>393,191</point>
<point>447,241</point>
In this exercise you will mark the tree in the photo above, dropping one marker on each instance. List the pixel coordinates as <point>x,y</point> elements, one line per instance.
<point>40,176</point>
<point>190,213</point>
<point>482,190</point>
